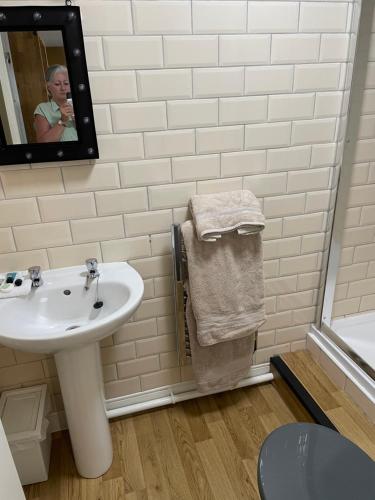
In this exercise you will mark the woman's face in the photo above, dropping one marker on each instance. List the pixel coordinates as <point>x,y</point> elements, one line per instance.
<point>59,86</point>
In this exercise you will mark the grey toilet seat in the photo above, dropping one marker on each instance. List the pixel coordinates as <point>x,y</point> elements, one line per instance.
<point>304,461</point>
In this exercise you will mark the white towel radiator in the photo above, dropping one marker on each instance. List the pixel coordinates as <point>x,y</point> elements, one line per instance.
<point>180,274</point>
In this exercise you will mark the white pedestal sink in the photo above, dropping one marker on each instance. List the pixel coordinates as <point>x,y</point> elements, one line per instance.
<point>59,318</point>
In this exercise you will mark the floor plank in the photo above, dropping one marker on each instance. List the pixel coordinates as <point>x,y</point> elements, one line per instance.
<point>197,423</point>
<point>209,408</point>
<point>283,409</point>
<point>236,427</point>
<point>169,457</point>
<point>189,455</point>
<point>215,470</point>
<point>196,450</point>
<point>114,489</point>
<point>251,467</point>
<point>206,449</point>
<point>313,379</point>
<point>156,483</point>
<point>270,422</point>
<point>237,473</point>
<point>348,418</point>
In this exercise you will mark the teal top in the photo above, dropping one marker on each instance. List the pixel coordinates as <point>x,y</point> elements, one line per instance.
<point>51,112</point>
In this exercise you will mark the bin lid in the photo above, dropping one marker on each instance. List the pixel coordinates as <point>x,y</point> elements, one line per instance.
<point>22,413</point>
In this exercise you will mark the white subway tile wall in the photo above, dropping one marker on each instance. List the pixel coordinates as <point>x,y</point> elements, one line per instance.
<point>355,289</point>
<point>193,97</point>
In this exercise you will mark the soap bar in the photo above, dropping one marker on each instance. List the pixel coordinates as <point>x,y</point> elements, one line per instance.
<point>6,287</point>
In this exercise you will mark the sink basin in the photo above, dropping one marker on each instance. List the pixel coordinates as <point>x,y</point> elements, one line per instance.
<point>61,315</point>
<point>63,318</point>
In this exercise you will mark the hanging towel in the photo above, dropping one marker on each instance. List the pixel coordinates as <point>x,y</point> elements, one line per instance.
<point>226,285</point>
<point>225,304</point>
<point>219,213</point>
<point>221,366</point>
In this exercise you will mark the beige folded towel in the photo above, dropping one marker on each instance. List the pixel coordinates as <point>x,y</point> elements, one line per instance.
<point>218,213</point>
<point>226,285</point>
<point>218,367</point>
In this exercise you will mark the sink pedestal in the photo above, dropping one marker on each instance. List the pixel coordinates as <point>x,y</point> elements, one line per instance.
<point>63,318</point>
<point>80,376</point>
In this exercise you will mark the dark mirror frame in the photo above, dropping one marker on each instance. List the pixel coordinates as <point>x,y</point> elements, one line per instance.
<point>66,19</point>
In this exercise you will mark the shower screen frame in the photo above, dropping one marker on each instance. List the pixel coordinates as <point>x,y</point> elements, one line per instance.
<point>340,193</point>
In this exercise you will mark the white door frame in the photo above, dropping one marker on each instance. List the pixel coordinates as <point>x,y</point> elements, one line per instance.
<point>10,92</point>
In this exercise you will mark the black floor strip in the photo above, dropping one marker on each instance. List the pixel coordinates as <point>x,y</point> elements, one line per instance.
<point>302,394</point>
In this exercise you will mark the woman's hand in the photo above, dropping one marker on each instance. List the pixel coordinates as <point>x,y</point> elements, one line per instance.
<point>66,111</point>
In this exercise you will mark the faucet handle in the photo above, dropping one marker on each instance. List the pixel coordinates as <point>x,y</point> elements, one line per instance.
<point>34,272</point>
<point>92,265</point>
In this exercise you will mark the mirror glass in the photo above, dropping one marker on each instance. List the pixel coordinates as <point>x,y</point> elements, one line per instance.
<point>36,104</point>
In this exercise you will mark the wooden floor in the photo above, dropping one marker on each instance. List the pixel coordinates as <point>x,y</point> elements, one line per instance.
<point>347,417</point>
<point>201,449</point>
<point>205,448</point>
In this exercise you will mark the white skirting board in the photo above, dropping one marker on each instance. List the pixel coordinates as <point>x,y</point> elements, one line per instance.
<point>141,401</point>
<point>183,391</point>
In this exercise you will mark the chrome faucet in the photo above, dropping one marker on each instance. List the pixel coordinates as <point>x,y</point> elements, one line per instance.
<point>35,274</point>
<point>92,271</point>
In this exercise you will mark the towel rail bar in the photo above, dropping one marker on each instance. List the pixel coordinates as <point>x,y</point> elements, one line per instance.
<point>180,273</point>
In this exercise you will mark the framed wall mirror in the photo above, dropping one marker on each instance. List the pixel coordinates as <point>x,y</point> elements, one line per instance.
<point>45,102</point>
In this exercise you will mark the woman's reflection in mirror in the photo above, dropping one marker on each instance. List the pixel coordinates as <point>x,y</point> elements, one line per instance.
<point>54,120</point>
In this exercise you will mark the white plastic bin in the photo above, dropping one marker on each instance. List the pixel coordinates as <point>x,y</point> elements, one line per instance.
<point>23,414</point>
